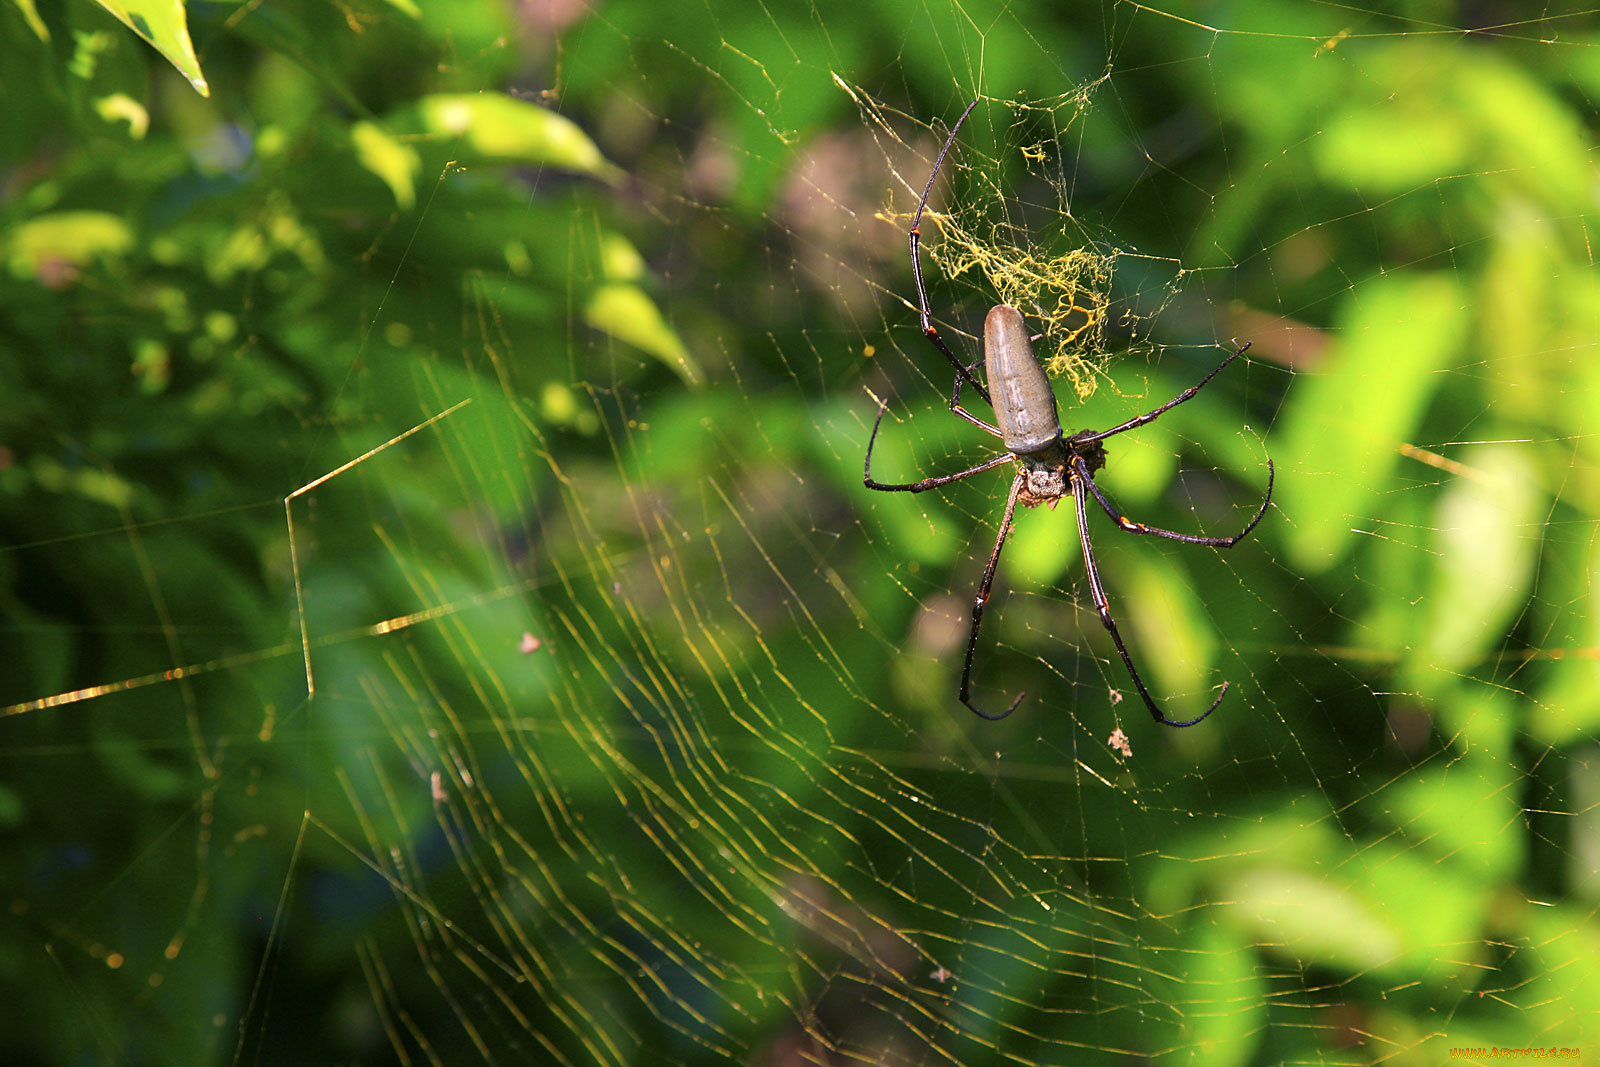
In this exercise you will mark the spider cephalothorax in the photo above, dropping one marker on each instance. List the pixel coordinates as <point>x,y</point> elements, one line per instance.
<point>1043,484</point>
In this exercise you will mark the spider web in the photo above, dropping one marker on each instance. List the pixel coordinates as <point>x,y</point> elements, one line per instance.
<point>602,715</point>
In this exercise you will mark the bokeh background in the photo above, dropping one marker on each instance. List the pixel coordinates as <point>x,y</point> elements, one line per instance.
<point>444,623</point>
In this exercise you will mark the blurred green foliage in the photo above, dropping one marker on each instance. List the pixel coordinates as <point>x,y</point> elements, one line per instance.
<point>719,803</point>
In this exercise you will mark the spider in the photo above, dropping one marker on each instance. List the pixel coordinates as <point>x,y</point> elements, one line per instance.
<point>1050,464</point>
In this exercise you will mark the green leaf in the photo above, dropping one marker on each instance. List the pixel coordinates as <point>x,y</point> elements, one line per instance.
<point>1562,942</point>
<point>1568,704</point>
<point>627,313</point>
<point>1224,996</point>
<point>72,238</point>
<point>619,260</point>
<point>163,25</point>
<point>1488,527</point>
<point>394,163</point>
<point>30,15</point>
<point>494,126</point>
<point>120,107</point>
<point>1466,811</point>
<point>1309,917</point>
<point>1394,144</point>
<point>1440,112</point>
<point>919,526</point>
<point>1344,427</point>
<point>1043,542</point>
<point>1387,909</point>
<point>1161,616</point>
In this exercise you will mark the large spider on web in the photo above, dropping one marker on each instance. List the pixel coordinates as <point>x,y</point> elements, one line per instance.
<point>1050,464</point>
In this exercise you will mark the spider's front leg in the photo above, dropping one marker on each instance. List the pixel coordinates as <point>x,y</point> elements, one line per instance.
<point>926,483</point>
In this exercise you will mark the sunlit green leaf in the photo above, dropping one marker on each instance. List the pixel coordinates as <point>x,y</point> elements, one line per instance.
<point>1487,529</point>
<point>30,14</point>
<point>619,260</point>
<point>396,164</point>
<point>1525,127</point>
<point>1044,541</point>
<point>1385,909</point>
<point>1534,325</point>
<point>1344,426</point>
<point>1441,114</point>
<point>1563,942</point>
<point>1568,704</point>
<point>1225,995</point>
<point>627,313</point>
<point>1392,144</point>
<point>71,238</point>
<point>919,526</point>
<point>120,107</point>
<point>165,26</point>
<point>1310,917</point>
<point>1158,612</point>
<point>1466,812</point>
<point>494,126</point>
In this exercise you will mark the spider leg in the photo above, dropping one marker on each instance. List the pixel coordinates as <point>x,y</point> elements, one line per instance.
<point>983,598</point>
<point>929,330</point>
<point>926,483</point>
<point>1151,416</point>
<point>957,409</point>
<point>1081,469</point>
<point>1103,606</point>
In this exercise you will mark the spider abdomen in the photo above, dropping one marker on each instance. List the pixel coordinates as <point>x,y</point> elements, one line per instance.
<point>1024,403</point>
